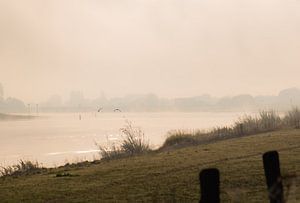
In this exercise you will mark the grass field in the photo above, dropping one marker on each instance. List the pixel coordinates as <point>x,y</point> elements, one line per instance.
<point>166,176</point>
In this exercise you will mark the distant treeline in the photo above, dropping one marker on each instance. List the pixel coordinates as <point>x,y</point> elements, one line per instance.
<point>10,104</point>
<point>151,103</point>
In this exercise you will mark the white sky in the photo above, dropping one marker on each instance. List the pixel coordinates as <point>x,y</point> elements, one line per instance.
<point>172,48</point>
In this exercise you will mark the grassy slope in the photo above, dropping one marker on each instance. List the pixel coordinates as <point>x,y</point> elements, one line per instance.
<point>165,176</point>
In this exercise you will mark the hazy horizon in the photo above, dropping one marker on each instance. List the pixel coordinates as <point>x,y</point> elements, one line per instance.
<point>171,48</point>
<point>67,96</point>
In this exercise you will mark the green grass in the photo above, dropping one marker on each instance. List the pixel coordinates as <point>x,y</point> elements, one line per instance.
<point>166,176</point>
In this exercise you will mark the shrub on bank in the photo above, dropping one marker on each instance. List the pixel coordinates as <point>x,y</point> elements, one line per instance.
<point>133,143</point>
<point>180,138</point>
<point>22,168</point>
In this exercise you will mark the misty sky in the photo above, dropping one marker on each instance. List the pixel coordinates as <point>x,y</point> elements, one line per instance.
<point>173,48</point>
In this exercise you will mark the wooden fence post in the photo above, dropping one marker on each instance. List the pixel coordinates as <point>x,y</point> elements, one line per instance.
<point>241,129</point>
<point>273,176</point>
<point>209,183</point>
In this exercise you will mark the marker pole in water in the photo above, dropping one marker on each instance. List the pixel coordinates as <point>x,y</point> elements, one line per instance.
<point>37,109</point>
<point>273,176</point>
<point>209,183</point>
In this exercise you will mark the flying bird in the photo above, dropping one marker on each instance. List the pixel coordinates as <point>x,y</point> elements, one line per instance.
<point>115,110</point>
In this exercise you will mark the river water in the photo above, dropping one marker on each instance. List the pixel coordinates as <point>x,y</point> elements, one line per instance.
<point>55,139</point>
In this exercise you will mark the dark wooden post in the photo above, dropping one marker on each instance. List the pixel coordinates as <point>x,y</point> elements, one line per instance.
<point>273,176</point>
<point>241,129</point>
<point>209,183</point>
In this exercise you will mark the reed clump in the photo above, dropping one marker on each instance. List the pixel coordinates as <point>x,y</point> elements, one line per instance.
<point>21,168</point>
<point>292,118</point>
<point>133,143</point>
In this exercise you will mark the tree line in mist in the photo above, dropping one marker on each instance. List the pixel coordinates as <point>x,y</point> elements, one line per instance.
<point>151,102</point>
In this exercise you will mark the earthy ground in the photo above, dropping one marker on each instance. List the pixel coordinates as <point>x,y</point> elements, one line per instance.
<point>168,176</point>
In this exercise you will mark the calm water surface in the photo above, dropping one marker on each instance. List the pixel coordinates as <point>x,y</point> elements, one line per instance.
<point>54,139</point>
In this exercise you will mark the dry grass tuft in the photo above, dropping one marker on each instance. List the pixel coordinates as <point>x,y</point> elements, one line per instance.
<point>22,168</point>
<point>133,143</point>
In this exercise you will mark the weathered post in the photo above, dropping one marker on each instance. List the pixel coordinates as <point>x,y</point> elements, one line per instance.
<point>241,129</point>
<point>209,184</point>
<point>273,176</point>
